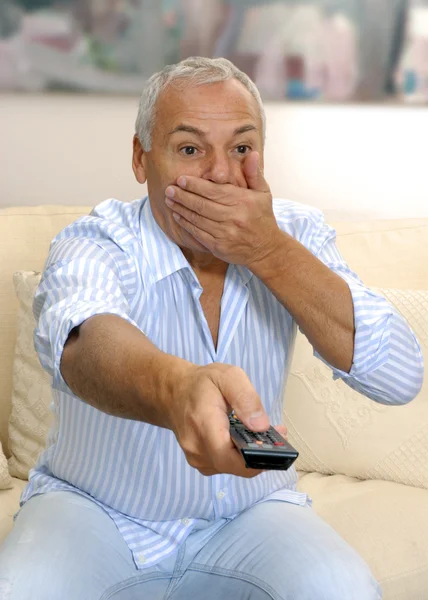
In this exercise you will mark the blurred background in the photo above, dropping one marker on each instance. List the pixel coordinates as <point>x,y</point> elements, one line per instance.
<point>331,50</point>
<point>345,84</point>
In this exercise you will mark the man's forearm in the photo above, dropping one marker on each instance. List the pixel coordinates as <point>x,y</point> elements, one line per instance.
<point>319,300</point>
<point>112,366</point>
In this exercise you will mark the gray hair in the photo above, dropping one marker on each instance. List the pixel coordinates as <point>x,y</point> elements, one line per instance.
<point>198,71</point>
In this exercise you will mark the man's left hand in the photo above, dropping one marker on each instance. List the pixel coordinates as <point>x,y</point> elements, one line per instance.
<point>235,224</point>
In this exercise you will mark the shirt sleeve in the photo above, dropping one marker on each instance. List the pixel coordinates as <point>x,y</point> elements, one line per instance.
<point>387,364</point>
<point>84,276</point>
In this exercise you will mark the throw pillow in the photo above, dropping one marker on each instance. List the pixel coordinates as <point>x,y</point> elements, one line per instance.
<point>5,478</point>
<point>339,431</point>
<point>30,417</point>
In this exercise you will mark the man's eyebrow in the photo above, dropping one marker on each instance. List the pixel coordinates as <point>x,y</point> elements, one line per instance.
<point>244,129</point>
<point>200,133</point>
<point>187,129</point>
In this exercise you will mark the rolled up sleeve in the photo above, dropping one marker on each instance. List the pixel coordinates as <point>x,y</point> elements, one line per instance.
<point>387,363</point>
<point>81,279</point>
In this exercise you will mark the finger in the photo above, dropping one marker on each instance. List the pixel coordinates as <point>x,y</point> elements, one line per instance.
<point>253,173</point>
<point>203,237</point>
<point>236,466</point>
<point>232,462</point>
<point>196,219</point>
<point>198,204</point>
<point>219,193</point>
<point>281,429</point>
<point>243,398</point>
<point>208,472</point>
<point>224,456</point>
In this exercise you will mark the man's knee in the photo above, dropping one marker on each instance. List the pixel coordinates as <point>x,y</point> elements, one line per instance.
<point>337,577</point>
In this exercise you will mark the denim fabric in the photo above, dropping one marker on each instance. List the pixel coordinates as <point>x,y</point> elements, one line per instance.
<point>64,546</point>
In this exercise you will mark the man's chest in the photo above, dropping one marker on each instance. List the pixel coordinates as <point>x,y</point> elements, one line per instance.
<point>240,324</point>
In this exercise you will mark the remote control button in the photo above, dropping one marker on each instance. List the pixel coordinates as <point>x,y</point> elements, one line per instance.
<point>267,445</point>
<point>279,443</point>
<point>253,445</point>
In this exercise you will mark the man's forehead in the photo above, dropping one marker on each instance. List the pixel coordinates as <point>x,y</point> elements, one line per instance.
<point>226,101</point>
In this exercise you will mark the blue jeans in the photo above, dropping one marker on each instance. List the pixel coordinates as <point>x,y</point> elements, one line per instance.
<point>65,547</point>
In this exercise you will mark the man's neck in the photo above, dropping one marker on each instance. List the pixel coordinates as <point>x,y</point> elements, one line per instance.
<point>205,264</point>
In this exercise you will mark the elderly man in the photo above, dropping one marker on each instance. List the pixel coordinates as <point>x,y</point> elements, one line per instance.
<point>156,319</point>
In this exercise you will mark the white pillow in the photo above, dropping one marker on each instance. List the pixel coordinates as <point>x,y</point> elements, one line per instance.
<point>5,478</point>
<point>30,417</point>
<point>338,431</point>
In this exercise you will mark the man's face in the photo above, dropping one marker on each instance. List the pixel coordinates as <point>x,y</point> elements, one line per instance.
<point>205,131</point>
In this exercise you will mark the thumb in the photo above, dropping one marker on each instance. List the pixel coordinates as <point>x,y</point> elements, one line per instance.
<point>253,173</point>
<point>243,399</point>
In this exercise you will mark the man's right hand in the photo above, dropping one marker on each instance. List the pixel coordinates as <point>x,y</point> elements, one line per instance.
<point>198,416</point>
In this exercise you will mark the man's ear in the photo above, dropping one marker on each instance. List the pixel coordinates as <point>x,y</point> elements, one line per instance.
<point>138,161</point>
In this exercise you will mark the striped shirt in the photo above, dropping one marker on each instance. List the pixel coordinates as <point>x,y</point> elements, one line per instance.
<point>117,260</point>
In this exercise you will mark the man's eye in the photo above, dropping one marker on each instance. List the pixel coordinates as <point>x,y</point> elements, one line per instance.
<point>243,149</point>
<point>188,150</point>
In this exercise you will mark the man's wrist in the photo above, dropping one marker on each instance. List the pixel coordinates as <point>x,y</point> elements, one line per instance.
<point>268,265</point>
<point>171,374</point>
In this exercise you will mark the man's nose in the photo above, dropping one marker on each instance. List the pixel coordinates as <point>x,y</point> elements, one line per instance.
<point>219,169</point>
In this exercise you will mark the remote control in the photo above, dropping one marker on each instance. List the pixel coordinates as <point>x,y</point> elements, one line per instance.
<point>262,450</point>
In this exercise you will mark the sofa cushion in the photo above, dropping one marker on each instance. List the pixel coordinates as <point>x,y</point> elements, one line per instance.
<point>339,431</point>
<point>386,523</point>
<point>5,478</point>
<point>9,505</point>
<point>25,235</point>
<point>30,418</point>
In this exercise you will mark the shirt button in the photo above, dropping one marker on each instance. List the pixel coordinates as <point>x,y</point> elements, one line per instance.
<point>185,521</point>
<point>141,558</point>
<point>221,495</point>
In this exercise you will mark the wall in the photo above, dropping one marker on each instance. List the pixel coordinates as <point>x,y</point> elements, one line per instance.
<point>77,150</point>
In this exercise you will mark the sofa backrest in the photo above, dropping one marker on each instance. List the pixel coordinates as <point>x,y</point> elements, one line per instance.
<point>384,254</point>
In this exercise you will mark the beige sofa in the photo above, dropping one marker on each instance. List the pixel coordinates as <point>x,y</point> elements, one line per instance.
<point>365,465</point>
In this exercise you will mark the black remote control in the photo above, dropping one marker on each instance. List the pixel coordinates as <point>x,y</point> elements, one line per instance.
<point>265,450</point>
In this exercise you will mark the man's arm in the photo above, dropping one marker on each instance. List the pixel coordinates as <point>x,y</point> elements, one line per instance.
<point>325,296</point>
<point>85,336</point>
<point>319,300</point>
<point>114,367</point>
<point>87,340</point>
<point>357,332</point>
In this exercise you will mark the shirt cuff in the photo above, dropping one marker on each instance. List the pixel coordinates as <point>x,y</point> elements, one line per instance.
<point>372,317</point>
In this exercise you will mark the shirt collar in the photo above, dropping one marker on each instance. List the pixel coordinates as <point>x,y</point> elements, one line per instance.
<point>165,257</point>
<point>244,273</point>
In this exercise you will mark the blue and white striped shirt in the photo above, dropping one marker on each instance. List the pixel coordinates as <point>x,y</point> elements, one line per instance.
<point>118,261</point>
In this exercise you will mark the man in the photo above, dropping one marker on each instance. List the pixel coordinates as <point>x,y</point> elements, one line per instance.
<point>156,319</point>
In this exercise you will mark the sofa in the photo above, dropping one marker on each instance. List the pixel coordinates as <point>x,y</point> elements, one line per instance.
<point>364,465</point>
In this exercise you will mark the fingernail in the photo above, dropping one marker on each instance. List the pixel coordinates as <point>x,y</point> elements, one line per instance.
<point>182,182</point>
<point>170,192</point>
<point>257,419</point>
